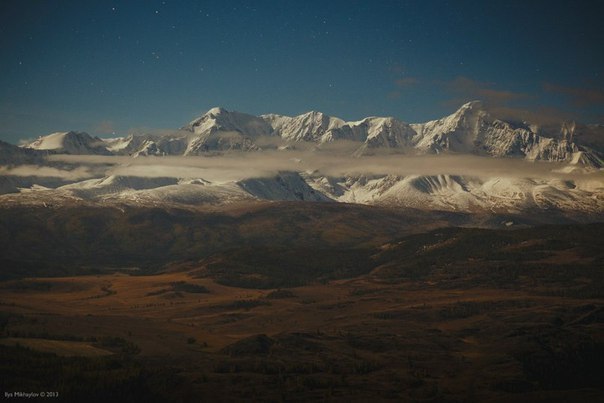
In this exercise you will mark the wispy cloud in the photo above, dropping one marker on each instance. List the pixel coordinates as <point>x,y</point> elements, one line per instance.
<point>157,131</point>
<point>504,104</point>
<point>394,95</point>
<point>105,127</point>
<point>401,84</point>
<point>401,81</point>
<point>471,89</point>
<point>579,97</point>
<point>406,82</point>
<point>542,116</point>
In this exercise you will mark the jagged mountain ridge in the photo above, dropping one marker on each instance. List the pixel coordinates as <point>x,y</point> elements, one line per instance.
<point>471,129</point>
<point>468,194</point>
<point>574,187</point>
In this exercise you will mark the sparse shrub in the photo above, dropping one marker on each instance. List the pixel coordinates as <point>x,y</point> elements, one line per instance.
<point>246,304</point>
<point>188,287</point>
<point>122,345</point>
<point>280,294</point>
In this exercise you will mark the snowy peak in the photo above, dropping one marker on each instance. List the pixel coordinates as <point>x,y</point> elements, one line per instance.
<point>219,119</point>
<point>216,111</point>
<point>469,107</point>
<point>320,128</point>
<point>310,126</point>
<point>70,143</point>
<point>219,129</point>
<point>283,186</point>
<point>458,132</point>
<point>466,117</point>
<point>388,132</point>
<point>469,130</point>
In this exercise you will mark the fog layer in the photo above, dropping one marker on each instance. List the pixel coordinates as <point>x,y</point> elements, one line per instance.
<point>238,165</point>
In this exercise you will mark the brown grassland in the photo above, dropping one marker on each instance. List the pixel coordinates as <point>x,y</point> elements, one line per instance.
<point>456,315</point>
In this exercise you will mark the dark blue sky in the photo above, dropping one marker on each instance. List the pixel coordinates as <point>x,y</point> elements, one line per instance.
<point>112,66</point>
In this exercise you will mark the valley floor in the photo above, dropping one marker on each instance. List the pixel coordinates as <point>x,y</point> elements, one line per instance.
<point>298,302</point>
<point>345,340</point>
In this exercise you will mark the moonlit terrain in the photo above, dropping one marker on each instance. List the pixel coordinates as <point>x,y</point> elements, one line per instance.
<point>301,201</point>
<point>467,162</point>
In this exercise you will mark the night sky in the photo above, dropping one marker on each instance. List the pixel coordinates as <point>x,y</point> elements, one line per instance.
<point>108,67</point>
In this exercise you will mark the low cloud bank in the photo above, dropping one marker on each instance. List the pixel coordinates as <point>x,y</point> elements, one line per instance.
<point>241,165</point>
<point>78,173</point>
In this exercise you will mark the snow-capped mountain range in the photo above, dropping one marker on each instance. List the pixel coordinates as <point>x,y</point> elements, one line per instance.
<point>574,151</point>
<point>471,129</point>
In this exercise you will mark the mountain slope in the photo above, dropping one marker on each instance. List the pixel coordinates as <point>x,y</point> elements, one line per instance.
<point>469,130</point>
<point>219,129</point>
<point>335,168</point>
<point>284,186</point>
<point>472,130</point>
<point>466,193</point>
<point>70,143</point>
<point>311,126</point>
<point>13,155</point>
